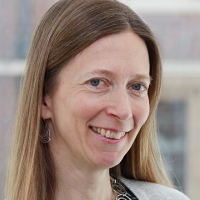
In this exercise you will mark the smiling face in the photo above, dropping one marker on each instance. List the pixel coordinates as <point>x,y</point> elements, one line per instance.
<point>101,102</point>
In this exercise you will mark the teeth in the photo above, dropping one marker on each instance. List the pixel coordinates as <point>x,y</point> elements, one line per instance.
<point>108,134</point>
<point>117,137</point>
<point>112,135</point>
<point>103,132</point>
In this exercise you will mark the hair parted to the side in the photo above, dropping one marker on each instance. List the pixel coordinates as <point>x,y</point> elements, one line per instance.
<point>67,28</point>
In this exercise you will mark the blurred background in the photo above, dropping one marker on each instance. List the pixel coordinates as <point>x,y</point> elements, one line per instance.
<point>176,25</point>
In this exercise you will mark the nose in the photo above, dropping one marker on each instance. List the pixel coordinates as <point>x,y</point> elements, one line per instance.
<point>120,106</point>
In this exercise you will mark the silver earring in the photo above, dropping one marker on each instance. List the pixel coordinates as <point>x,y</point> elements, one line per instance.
<point>45,135</point>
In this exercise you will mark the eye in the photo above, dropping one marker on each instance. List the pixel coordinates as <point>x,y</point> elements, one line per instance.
<point>98,83</point>
<point>95,82</point>
<point>138,87</point>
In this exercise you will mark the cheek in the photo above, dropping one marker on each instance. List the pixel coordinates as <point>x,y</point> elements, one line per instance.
<point>142,112</point>
<point>85,108</point>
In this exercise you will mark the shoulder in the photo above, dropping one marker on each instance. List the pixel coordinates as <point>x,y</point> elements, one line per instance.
<point>152,191</point>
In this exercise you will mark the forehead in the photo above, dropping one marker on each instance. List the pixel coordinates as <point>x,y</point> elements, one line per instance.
<point>119,53</point>
<point>126,42</point>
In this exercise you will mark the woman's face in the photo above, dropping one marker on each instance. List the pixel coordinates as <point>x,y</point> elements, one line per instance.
<point>101,102</point>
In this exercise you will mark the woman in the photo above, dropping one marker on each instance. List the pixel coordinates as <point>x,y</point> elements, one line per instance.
<point>85,126</point>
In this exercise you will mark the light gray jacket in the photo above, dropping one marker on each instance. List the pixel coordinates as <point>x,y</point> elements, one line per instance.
<point>152,191</point>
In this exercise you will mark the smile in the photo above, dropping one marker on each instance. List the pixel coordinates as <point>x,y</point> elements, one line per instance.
<point>108,133</point>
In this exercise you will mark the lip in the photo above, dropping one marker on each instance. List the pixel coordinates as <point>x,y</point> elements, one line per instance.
<point>108,140</point>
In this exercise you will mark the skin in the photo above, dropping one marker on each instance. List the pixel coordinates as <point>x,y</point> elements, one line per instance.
<point>104,86</point>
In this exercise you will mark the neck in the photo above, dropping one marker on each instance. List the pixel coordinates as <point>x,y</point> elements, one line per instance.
<point>76,186</point>
<point>74,183</point>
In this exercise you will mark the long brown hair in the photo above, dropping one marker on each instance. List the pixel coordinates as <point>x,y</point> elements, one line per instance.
<point>67,28</point>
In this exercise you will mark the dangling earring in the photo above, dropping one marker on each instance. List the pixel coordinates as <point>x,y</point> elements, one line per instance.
<point>45,135</point>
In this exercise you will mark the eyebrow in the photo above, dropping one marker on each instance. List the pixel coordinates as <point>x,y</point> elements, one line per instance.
<point>141,76</point>
<point>110,73</point>
<point>103,71</point>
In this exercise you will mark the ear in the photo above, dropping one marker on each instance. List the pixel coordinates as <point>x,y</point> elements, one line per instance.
<point>46,108</point>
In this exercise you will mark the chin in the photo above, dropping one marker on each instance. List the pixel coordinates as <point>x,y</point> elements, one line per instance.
<point>107,162</point>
